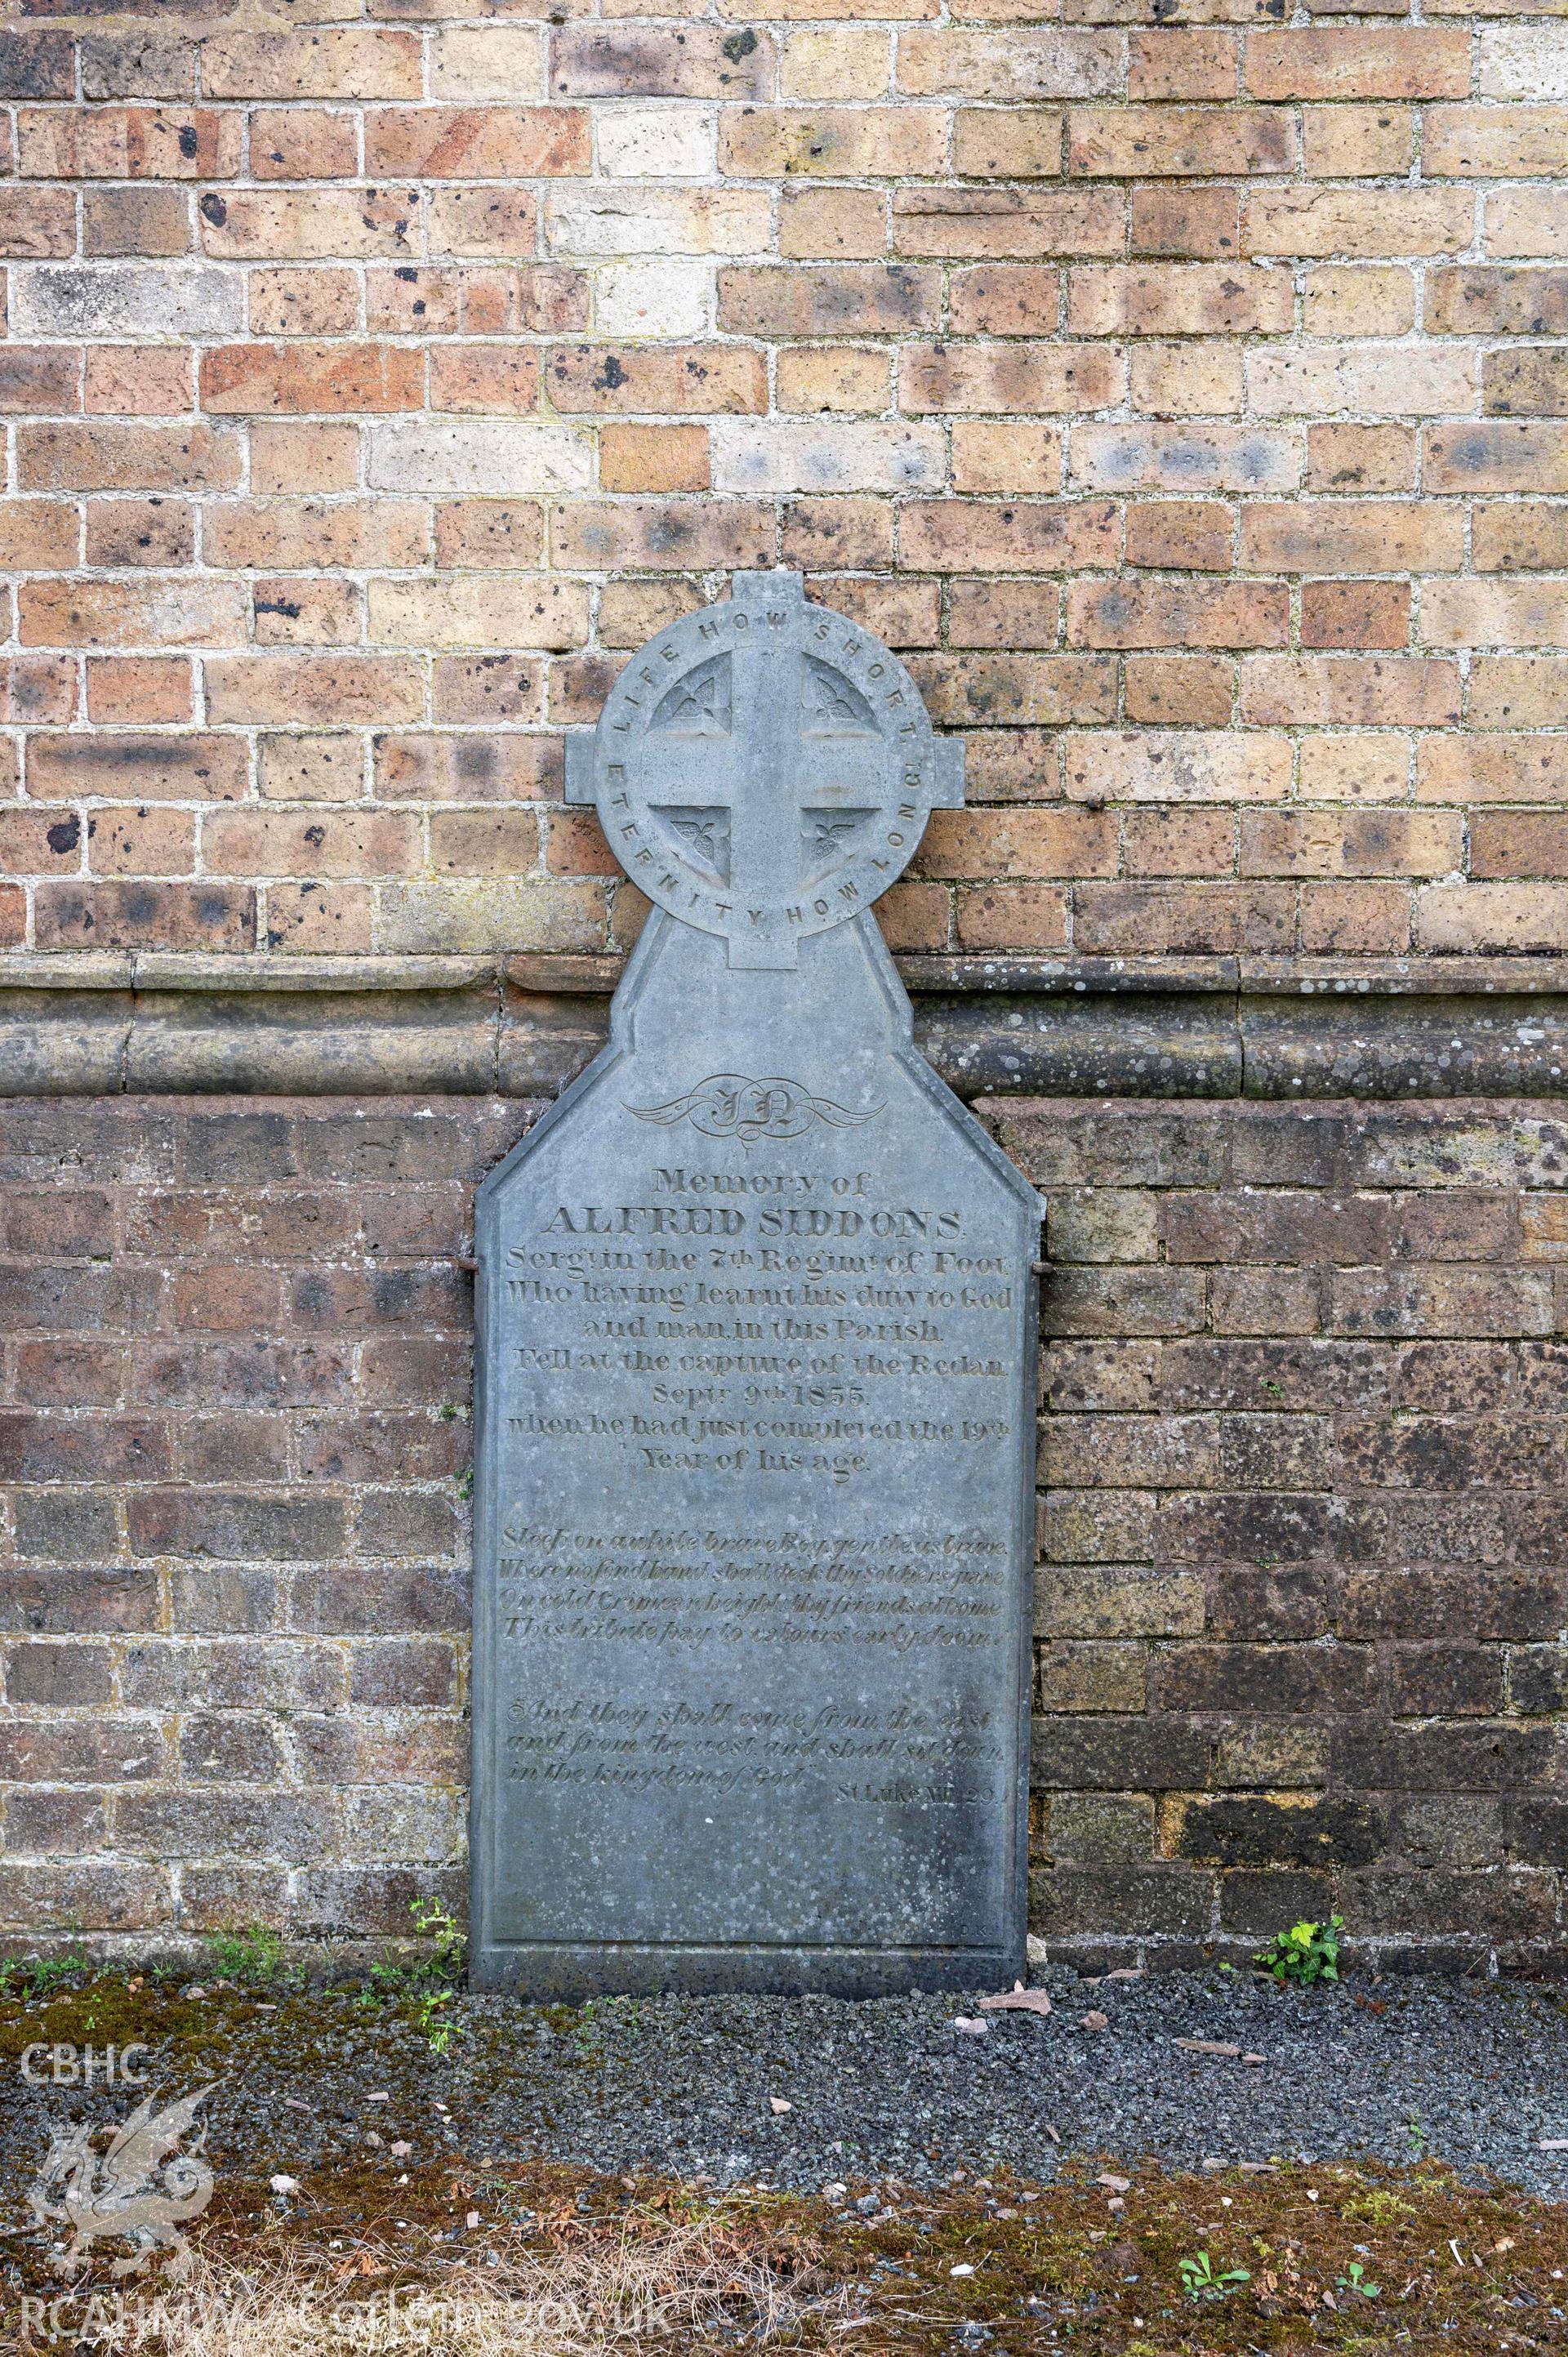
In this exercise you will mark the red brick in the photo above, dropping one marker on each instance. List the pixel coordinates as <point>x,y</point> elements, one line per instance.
<point>1178,614</point>
<point>146,916</point>
<point>1355,614</point>
<point>476,143</point>
<point>258,379</point>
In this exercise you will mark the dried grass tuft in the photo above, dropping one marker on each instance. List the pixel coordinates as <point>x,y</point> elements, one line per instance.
<point>682,2286</point>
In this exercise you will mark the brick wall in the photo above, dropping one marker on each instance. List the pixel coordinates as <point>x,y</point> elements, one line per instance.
<point>1303,1579</point>
<point>1182,396</point>
<point>234,1442</point>
<point>1302,1590</point>
<point>1187,402</point>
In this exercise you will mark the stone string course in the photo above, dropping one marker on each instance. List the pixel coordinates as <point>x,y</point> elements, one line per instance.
<point>1301,1596</point>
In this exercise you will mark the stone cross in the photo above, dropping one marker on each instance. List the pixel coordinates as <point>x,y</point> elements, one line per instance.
<point>764,769</point>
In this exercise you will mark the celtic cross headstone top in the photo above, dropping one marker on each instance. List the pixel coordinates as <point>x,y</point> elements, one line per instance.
<point>755,1384</point>
<point>764,770</point>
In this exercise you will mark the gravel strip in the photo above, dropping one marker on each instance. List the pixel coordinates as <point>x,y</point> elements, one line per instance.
<point>1474,2075</point>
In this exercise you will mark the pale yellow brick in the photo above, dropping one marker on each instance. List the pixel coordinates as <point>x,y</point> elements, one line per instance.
<point>1354,765</point>
<point>1344,142</point>
<point>491,61</point>
<point>838,377</point>
<point>479,609</point>
<point>1369,301</point>
<point>1015,457</point>
<point>1186,380</point>
<point>838,61</point>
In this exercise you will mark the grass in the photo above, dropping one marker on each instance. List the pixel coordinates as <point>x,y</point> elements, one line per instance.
<point>690,2285</point>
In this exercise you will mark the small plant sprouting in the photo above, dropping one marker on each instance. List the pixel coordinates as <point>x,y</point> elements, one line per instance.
<point>430,1983</point>
<point>438,2032</point>
<point>1306,1954</point>
<point>38,1977</point>
<point>1355,2280</point>
<point>1199,2281</point>
<point>250,1953</point>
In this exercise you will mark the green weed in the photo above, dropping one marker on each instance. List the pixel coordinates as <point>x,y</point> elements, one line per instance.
<point>1306,1954</point>
<point>427,1983</point>
<point>1355,2279</point>
<point>249,1955</point>
<point>1199,2281</point>
<point>30,1977</point>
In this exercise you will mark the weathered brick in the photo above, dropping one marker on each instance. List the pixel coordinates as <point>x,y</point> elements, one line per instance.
<point>261,378</point>
<point>1359,536</point>
<point>1493,142</point>
<point>1025,223</point>
<point>1374,61</point>
<point>993,143</point>
<point>1120,141</point>
<point>695,379</point>
<point>304,224</point>
<point>475,143</point>
<point>1364,690</point>
<point>1475,301</point>
<point>191,768</point>
<point>1346,222</point>
<point>936,535</point>
<point>1018,63</point>
<point>1177,299</point>
<point>762,143</point>
<point>627,62</point>
<point>330,61</point>
<point>1193,223</point>
<point>1006,378</point>
<point>882,298</point>
<point>1184,458</point>
<point>1269,661</point>
<point>1180,614</point>
<point>144,915</point>
<point>110,457</point>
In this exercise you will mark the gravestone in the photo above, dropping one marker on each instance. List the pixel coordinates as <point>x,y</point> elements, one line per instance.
<point>755,1386</point>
